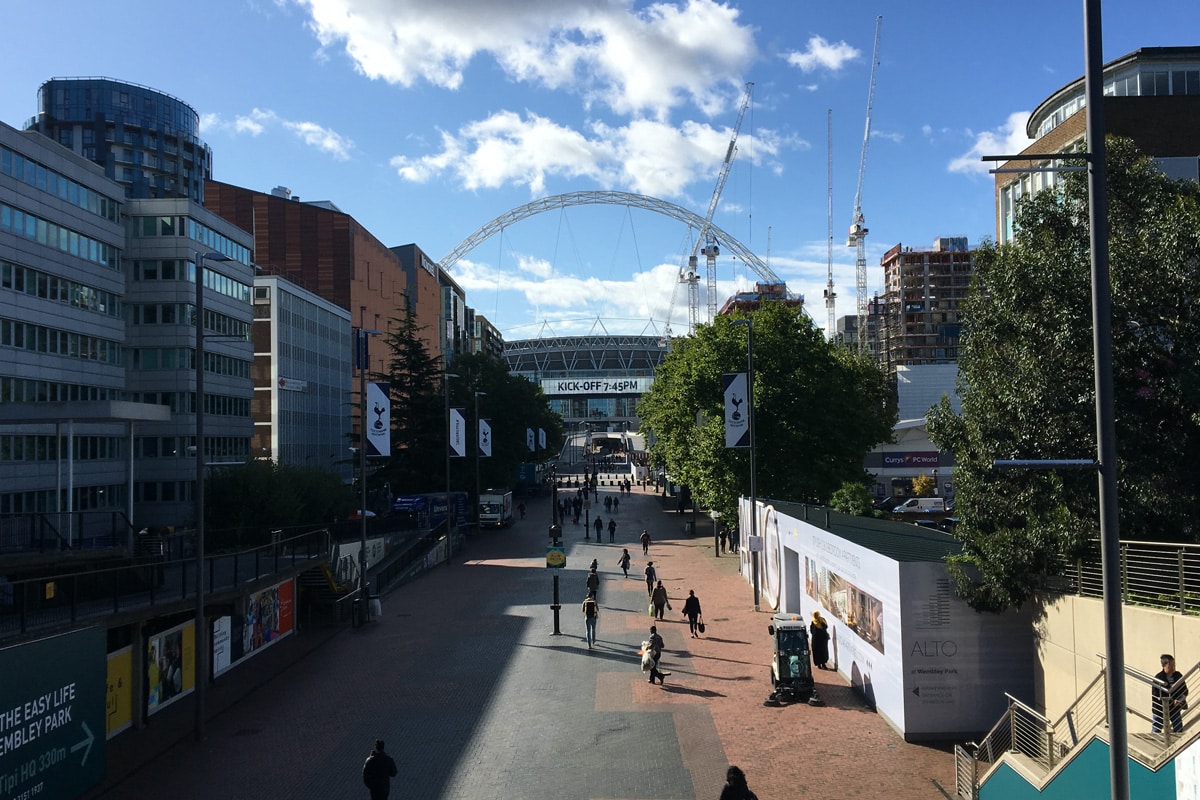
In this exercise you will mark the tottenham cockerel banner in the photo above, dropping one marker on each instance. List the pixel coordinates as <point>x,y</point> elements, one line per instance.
<point>737,425</point>
<point>529,440</point>
<point>485,438</point>
<point>378,422</point>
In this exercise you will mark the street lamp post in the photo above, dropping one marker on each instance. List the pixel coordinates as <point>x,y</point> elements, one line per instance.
<point>202,653</point>
<point>477,456</point>
<point>446,376</point>
<point>361,356</point>
<point>757,554</point>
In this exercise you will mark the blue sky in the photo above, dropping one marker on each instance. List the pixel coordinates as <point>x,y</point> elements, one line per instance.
<point>427,119</point>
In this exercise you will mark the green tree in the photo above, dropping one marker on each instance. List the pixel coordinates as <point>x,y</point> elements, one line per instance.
<point>247,501</point>
<point>852,498</point>
<point>1027,382</point>
<point>923,485</point>
<point>818,408</point>
<point>418,410</point>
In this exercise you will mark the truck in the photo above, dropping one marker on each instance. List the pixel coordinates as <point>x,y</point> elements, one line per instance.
<point>429,511</point>
<point>495,508</point>
<point>921,505</point>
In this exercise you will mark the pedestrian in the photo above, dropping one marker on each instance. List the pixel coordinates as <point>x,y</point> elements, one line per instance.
<point>612,530</point>
<point>645,542</point>
<point>724,537</point>
<point>521,509</point>
<point>591,613</point>
<point>734,538</point>
<point>593,582</point>
<point>616,504</point>
<point>735,786</point>
<point>624,561</point>
<point>599,525</point>
<point>656,645</point>
<point>1168,695</point>
<point>819,633</point>
<point>608,502</point>
<point>378,771</point>
<point>659,599</point>
<point>691,610</point>
<point>651,577</point>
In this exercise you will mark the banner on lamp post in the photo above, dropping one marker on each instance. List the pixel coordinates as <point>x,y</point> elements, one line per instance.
<point>542,438</point>
<point>458,433</point>
<point>485,438</point>
<point>529,440</point>
<point>379,422</point>
<point>737,425</point>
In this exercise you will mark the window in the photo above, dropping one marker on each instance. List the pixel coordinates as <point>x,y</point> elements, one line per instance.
<point>1185,81</point>
<point>1156,84</point>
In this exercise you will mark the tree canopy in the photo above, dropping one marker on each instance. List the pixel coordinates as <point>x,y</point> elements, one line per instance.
<point>818,409</point>
<point>1026,379</point>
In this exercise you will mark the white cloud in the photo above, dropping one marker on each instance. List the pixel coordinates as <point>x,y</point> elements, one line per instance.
<point>258,121</point>
<point>891,136</point>
<point>1008,139</point>
<point>634,61</point>
<point>645,156</point>
<point>821,54</point>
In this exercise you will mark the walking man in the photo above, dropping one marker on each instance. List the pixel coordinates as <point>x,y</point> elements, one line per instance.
<point>691,610</point>
<point>624,561</point>
<point>599,524</point>
<point>659,599</point>
<point>651,577</point>
<point>612,529</point>
<point>593,582</point>
<point>656,648</point>
<point>616,504</point>
<point>591,612</point>
<point>645,538</point>
<point>378,771</point>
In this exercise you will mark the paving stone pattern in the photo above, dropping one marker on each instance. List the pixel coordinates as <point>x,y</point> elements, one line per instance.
<point>477,700</point>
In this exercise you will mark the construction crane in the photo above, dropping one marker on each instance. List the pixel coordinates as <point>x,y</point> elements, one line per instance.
<point>707,243</point>
<point>830,295</point>
<point>858,228</point>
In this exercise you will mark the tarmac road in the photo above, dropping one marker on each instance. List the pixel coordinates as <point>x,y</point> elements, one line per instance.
<point>478,700</point>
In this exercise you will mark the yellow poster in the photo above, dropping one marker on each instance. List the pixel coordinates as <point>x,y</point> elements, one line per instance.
<point>118,695</point>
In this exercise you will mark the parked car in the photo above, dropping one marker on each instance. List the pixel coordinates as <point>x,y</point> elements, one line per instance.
<point>948,524</point>
<point>921,505</point>
<point>888,503</point>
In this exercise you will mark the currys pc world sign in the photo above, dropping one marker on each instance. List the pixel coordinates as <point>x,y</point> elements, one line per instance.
<point>910,459</point>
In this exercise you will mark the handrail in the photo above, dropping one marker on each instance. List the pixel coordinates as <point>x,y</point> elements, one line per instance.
<point>1156,574</point>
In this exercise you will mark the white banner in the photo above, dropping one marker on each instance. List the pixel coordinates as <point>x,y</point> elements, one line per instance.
<point>737,424</point>
<point>529,440</point>
<point>557,387</point>
<point>458,433</point>
<point>379,420</point>
<point>485,438</point>
<point>542,438</point>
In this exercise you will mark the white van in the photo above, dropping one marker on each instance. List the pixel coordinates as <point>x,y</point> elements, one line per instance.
<point>921,505</point>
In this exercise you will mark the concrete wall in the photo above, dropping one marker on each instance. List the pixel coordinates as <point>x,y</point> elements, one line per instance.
<point>1070,637</point>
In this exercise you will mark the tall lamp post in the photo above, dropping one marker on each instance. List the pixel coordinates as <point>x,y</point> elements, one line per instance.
<point>477,456</point>
<point>757,554</point>
<point>361,357</point>
<point>202,653</point>
<point>446,376</point>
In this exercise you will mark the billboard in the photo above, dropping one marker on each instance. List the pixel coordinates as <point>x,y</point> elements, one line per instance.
<point>170,666</point>
<point>52,700</point>
<point>118,692</point>
<point>268,618</point>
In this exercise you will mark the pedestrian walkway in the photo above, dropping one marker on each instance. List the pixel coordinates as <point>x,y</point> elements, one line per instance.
<point>477,699</point>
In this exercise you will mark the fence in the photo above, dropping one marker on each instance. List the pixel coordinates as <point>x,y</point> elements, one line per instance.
<point>1161,575</point>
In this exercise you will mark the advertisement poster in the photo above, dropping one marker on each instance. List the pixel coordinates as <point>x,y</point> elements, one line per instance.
<point>268,617</point>
<point>170,666</point>
<point>221,641</point>
<point>118,692</point>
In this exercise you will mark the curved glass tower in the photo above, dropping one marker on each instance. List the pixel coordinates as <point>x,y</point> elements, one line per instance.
<point>144,139</point>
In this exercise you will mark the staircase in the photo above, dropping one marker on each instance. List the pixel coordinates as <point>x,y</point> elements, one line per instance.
<point>1025,755</point>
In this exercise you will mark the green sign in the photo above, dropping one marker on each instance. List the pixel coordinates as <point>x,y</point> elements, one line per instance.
<point>52,716</point>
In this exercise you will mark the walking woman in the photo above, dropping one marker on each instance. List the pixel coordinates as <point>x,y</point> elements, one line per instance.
<point>819,633</point>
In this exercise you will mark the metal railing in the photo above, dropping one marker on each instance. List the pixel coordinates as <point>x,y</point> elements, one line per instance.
<point>45,603</point>
<point>1040,745</point>
<point>1156,574</point>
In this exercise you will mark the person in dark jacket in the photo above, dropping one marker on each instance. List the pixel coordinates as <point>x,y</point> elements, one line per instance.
<point>691,610</point>
<point>735,786</point>
<point>659,598</point>
<point>818,633</point>
<point>1169,693</point>
<point>651,577</point>
<point>378,771</point>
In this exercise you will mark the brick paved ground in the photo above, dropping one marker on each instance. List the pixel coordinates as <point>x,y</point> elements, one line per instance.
<point>478,700</point>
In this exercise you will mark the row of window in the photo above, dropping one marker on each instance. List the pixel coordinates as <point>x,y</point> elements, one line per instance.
<point>47,180</point>
<point>51,287</point>
<point>44,501</point>
<point>32,390</point>
<point>17,447</point>
<point>51,234</point>
<point>170,225</point>
<point>40,339</point>
<point>151,358</point>
<point>184,313</point>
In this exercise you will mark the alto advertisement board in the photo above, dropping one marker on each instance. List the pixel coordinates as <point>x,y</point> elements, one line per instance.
<point>928,663</point>
<point>52,717</point>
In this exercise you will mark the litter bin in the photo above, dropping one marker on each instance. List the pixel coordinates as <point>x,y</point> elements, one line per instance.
<point>376,606</point>
<point>356,612</point>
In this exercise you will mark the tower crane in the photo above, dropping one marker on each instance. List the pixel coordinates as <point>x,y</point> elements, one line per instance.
<point>830,295</point>
<point>858,228</point>
<point>705,241</point>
